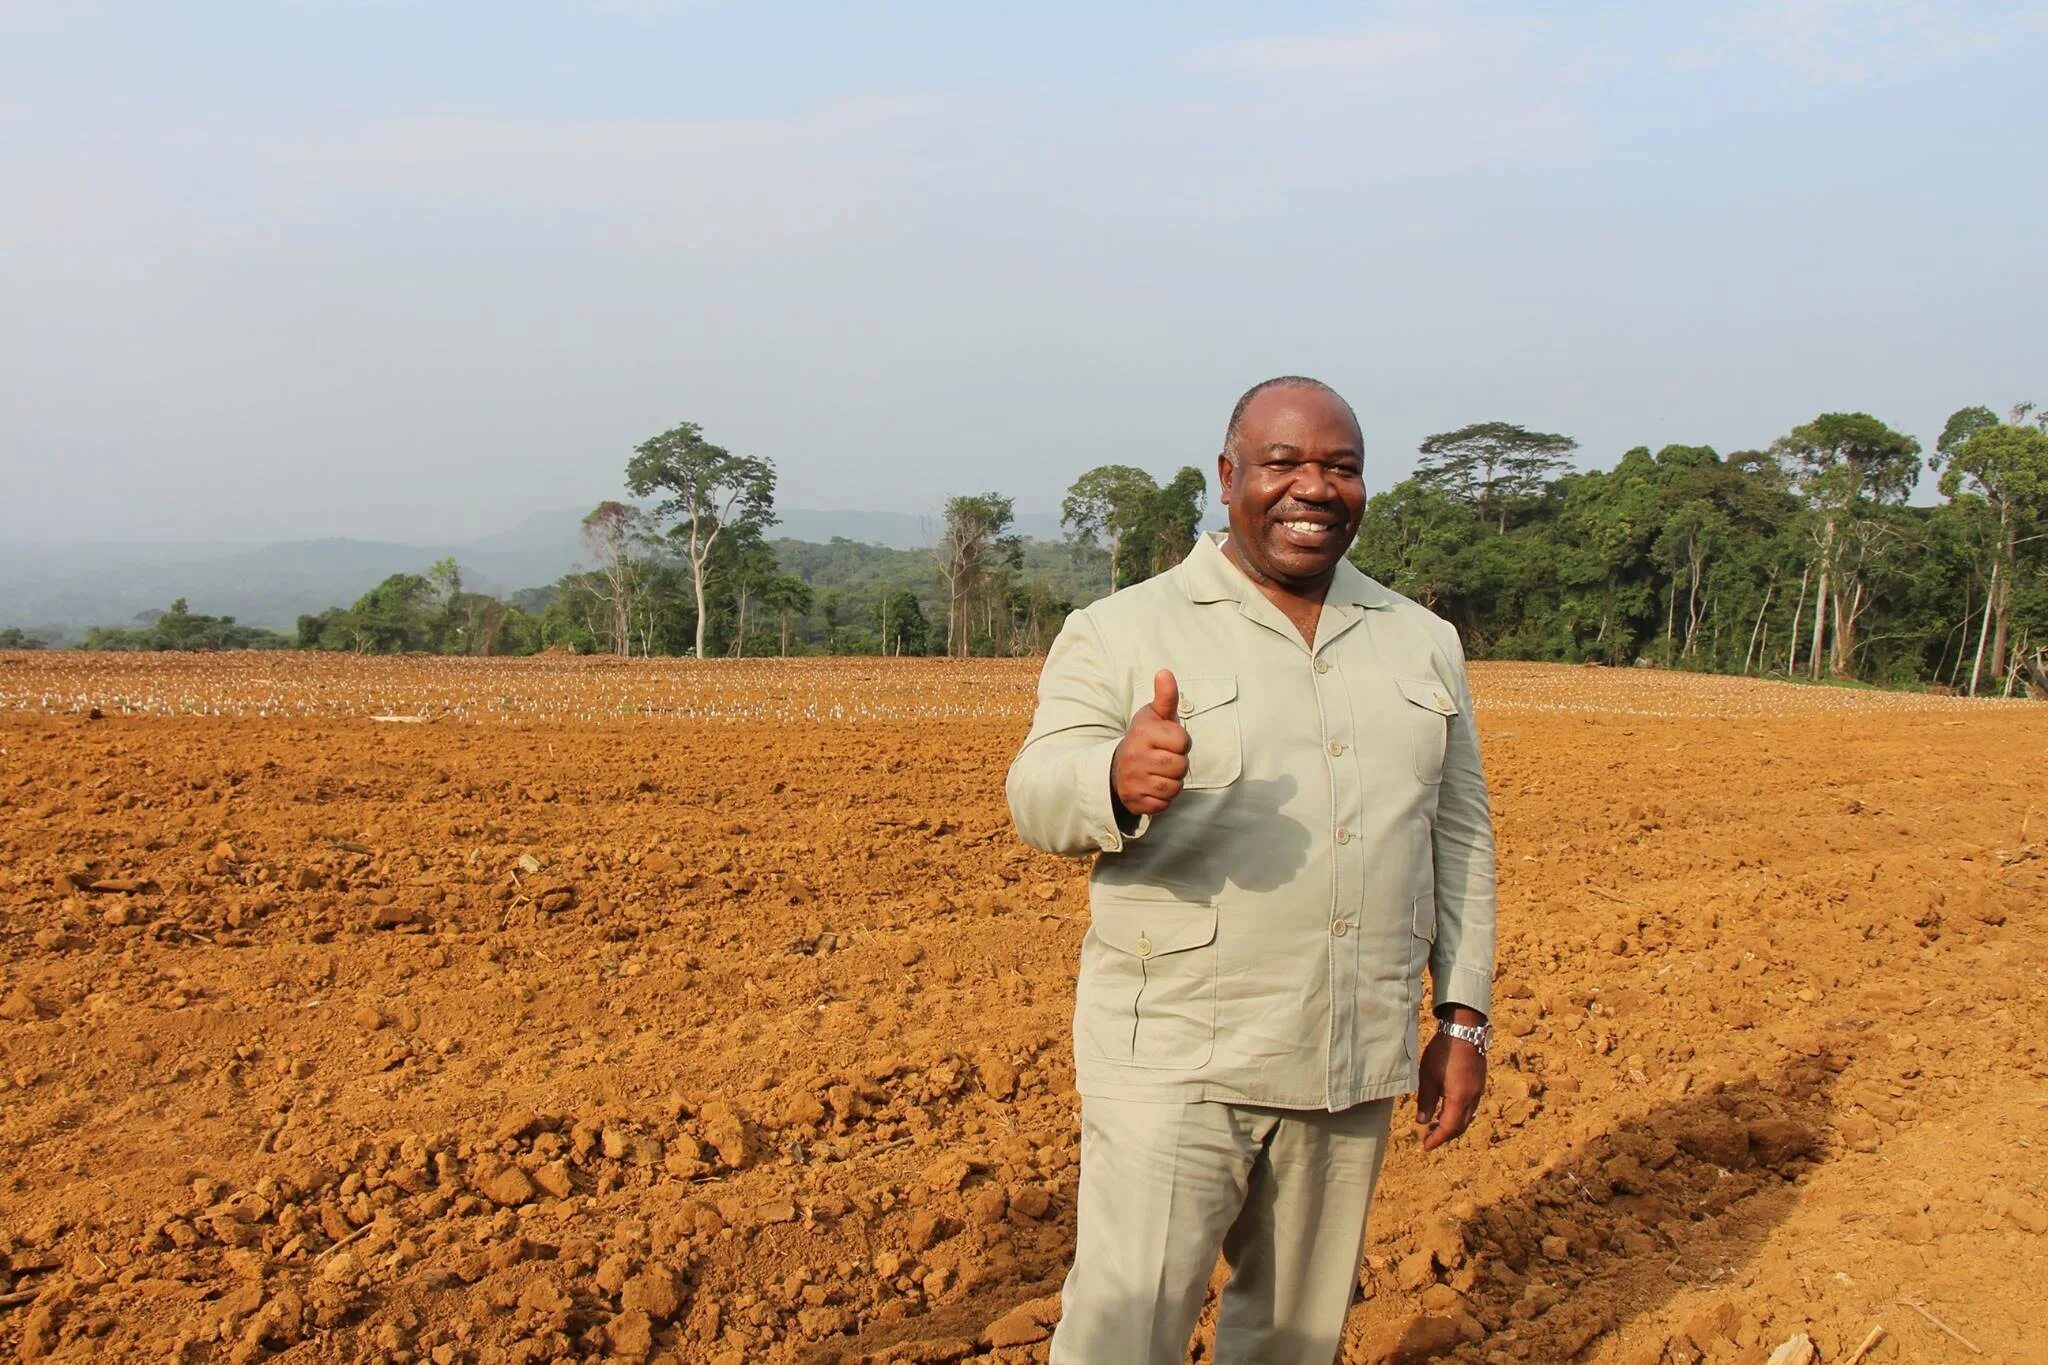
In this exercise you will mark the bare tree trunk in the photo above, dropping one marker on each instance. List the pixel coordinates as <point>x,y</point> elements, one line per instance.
<point>1756,630</point>
<point>1692,604</point>
<point>2002,598</point>
<point>1820,596</point>
<point>1977,668</point>
<point>1798,606</point>
<point>1842,663</point>
<point>1820,619</point>
<point>2012,674</point>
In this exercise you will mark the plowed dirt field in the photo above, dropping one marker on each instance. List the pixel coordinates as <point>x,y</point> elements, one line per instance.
<point>713,1013</point>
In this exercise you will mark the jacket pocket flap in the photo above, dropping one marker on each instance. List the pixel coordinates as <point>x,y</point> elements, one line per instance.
<point>1206,694</point>
<point>1425,917</point>
<point>1147,929</point>
<point>1429,694</point>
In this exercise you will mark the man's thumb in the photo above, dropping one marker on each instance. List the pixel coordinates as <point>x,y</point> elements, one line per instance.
<point>1165,694</point>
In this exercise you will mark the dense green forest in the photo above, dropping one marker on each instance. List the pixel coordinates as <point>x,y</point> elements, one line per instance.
<point>1801,560</point>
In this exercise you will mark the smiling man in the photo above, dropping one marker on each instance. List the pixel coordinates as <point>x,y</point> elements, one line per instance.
<point>1272,760</point>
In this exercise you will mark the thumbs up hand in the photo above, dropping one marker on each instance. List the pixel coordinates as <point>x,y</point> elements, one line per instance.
<point>1152,761</point>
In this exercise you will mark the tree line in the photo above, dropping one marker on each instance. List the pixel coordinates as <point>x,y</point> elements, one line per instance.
<point>1802,559</point>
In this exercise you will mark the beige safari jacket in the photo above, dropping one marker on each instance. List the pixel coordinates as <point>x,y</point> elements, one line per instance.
<point>1263,939</point>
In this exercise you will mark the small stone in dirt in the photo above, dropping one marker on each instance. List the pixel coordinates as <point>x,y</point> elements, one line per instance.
<point>507,1185</point>
<point>520,1123</point>
<point>613,1272</point>
<point>1444,1243</point>
<point>1029,1202</point>
<point>1421,1338</point>
<point>1415,1271</point>
<point>1015,1328</point>
<point>18,1006</point>
<point>998,1077</point>
<point>631,1335</point>
<point>720,1127</point>
<point>948,1173</point>
<point>925,1230</point>
<point>1773,1142</point>
<point>656,1291</point>
<point>555,1179</point>
<point>342,1267</point>
<point>367,1017</point>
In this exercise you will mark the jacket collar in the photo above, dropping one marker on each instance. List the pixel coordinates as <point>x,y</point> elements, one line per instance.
<point>1209,576</point>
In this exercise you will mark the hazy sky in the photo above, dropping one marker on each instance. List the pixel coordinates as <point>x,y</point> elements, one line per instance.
<point>414,270</point>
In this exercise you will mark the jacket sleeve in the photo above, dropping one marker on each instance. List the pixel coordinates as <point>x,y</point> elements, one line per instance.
<point>1059,783</point>
<point>1461,962</point>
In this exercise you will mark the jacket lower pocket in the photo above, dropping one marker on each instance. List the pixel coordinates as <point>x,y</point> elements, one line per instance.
<point>1147,994</point>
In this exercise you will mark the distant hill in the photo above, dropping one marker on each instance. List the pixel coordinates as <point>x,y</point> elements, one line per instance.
<point>76,585</point>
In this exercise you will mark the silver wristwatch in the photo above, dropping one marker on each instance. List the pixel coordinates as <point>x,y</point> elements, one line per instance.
<point>1479,1035</point>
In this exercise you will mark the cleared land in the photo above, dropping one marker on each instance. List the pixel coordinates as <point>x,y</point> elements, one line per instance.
<point>713,1012</point>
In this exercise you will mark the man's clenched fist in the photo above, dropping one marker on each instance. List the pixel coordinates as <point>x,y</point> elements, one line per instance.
<point>1152,761</point>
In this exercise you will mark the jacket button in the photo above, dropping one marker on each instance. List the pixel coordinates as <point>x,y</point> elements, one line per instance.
<point>1343,835</point>
<point>1144,947</point>
<point>1336,748</point>
<point>1340,928</point>
<point>1322,665</point>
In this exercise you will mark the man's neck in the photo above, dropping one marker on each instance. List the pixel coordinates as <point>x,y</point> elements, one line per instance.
<point>1302,606</point>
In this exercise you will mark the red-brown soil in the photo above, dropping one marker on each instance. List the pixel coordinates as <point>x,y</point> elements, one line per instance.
<point>713,1013</point>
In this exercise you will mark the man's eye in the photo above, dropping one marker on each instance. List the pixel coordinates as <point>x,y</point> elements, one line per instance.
<point>1342,473</point>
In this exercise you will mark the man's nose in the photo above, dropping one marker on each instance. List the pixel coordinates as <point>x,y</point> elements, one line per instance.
<point>1312,483</point>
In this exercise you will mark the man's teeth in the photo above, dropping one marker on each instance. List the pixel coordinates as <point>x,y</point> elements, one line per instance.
<point>1307,528</point>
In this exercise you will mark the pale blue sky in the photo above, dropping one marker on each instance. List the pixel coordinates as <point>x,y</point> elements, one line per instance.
<point>413,270</point>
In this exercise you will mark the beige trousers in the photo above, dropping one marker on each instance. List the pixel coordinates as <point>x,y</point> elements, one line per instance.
<point>1283,1193</point>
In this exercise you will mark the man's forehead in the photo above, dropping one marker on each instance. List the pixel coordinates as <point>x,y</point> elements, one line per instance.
<point>1300,417</point>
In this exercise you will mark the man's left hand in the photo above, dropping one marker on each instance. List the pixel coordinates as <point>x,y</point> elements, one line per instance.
<point>1453,1079</point>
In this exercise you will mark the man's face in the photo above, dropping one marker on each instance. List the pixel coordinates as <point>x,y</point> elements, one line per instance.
<point>1297,490</point>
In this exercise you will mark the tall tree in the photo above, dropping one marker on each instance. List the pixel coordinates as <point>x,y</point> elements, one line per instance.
<point>1492,466</point>
<point>1112,500</point>
<point>706,490</point>
<point>976,542</point>
<point>786,595</point>
<point>1173,518</point>
<point>1849,463</point>
<point>617,536</point>
<point>2006,464</point>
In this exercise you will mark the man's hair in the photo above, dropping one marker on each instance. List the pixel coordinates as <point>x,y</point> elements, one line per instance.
<point>1285,381</point>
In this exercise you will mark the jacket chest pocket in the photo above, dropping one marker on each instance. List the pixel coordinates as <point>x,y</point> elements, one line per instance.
<point>1148,984</point>
<point>1209,713</point>
<point>1427,715</point>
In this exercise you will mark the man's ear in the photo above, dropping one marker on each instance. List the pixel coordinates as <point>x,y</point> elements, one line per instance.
<point>1224,470</point>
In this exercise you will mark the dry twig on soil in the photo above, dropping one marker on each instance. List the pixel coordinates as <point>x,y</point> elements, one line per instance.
<point>1921,1309</point>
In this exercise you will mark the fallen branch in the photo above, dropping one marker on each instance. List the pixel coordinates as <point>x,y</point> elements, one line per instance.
<point>17,1298</point>
<point>1869,1345</point>
<point>362,1231</point>
<point>1921,1309</point>
<point>402,720</point>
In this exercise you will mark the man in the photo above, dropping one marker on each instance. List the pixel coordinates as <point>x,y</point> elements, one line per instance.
<point>1273,758</point>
